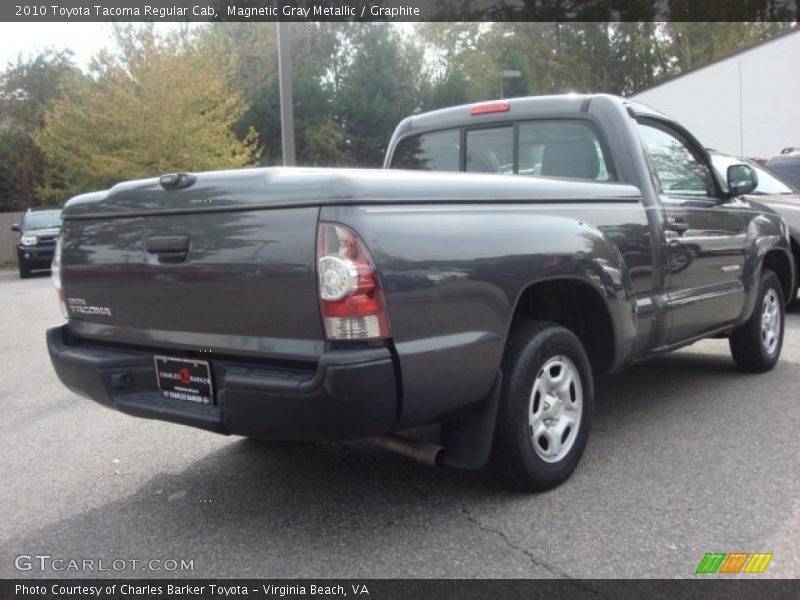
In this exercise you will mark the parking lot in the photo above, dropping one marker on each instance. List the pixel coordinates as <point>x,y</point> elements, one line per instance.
<point>687,456</point>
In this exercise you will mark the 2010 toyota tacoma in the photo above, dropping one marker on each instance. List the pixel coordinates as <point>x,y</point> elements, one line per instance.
<point>336,304</point>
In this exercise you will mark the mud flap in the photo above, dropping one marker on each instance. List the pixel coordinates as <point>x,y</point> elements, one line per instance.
<point>467,442</point>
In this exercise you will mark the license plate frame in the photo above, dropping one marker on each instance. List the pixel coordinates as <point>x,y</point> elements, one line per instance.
<point>184,379</point>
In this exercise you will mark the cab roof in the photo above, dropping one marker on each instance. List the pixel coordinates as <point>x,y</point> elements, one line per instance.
<point>529,107</point>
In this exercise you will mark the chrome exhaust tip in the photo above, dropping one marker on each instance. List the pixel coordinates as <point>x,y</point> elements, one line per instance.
<point>424,452</point>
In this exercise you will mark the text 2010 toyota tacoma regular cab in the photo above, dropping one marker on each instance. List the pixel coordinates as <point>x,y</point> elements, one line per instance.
<point>335,304</point>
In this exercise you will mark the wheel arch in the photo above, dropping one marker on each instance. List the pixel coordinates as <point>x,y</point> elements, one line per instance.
<point>577,305</point>
<point>795,248</point>
<point>778,261</point>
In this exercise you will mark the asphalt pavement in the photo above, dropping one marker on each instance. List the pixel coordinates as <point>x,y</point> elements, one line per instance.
<point>687,456</point>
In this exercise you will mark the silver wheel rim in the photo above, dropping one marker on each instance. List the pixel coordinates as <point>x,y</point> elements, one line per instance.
<point>770,321</point>
<point>555,409</point>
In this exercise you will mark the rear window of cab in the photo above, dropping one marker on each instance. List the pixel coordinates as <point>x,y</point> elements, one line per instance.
<point>555,148</point>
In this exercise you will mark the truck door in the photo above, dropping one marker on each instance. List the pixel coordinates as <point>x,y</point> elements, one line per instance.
<point>705,235</point>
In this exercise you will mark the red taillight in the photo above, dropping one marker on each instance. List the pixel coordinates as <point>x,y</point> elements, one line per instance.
<point>350,295</point>
<point>489,107</point>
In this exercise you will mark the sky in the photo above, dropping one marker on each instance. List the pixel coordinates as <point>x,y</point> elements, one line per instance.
<point>84,39</point>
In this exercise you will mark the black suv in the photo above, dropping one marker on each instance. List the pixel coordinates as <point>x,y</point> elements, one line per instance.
<point>787,165</point>
<point>37,241</point>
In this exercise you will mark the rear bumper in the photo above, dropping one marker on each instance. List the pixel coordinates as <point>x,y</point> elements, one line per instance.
<point>351,394</point>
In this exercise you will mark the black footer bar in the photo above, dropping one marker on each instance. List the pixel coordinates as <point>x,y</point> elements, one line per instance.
<point>396,589</point>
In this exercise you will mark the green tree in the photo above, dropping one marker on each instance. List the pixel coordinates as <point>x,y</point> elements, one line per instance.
<point>450,90</point>
<point>378,89</point>
<point>253,47</point>
<point>515,60</point>
<point>461,60</point>
<point>319,140</point>
<point>163,103</point>
<point>638,58</point>
<point>316,56</point>
<point>28,89</point>
<point>693,45</point>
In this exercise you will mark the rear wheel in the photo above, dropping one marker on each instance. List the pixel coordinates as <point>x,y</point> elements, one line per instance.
<point>545,406</point>
<point>756,345</point>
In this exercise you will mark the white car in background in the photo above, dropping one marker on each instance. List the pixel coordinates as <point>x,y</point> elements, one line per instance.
<point>773,190</point>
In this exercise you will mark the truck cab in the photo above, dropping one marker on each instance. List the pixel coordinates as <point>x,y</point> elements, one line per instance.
<point>689,278</point>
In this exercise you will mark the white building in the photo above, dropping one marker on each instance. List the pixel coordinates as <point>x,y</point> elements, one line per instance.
<point>747,104</point>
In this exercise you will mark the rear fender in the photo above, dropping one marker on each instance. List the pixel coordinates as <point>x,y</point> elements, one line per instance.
<point>594,261</point>
<point>453,274</point>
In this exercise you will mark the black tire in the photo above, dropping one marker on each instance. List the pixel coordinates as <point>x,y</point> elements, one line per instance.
<point>531,346</point>
<point>750,351</point>
<point>24,270</point>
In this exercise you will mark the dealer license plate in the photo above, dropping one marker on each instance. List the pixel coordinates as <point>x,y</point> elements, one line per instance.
<point>184,379</point>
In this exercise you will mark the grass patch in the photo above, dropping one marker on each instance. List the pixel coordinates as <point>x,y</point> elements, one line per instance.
<point>8,264</point>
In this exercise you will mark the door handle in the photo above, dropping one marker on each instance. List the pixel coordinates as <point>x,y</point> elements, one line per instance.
<point>677,224</point>
<point>168,248</point>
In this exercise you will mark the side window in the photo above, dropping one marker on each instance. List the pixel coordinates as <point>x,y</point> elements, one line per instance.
<point>491,150</point>
<point>437,151</point>
<point>561,149</point>
<point>678,170</point>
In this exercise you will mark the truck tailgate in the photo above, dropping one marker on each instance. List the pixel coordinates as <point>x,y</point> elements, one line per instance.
<point>239,282</point>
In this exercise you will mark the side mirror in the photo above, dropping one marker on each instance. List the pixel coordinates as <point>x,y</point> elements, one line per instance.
<point>15,227</point>
<point>742,179</point>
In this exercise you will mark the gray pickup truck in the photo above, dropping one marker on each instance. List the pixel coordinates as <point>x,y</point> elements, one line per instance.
<point>339,304</point>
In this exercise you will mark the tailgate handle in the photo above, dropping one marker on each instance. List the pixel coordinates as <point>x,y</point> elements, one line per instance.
<point>169,248</point>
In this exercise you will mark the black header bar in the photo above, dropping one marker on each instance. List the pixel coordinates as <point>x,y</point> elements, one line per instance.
<point>398,10</point>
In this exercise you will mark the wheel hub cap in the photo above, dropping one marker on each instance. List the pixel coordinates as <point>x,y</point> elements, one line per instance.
<point>770,322</point>
<point>555,408</point>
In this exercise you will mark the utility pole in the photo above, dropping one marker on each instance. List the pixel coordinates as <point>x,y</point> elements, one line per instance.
<point>285,85</point>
